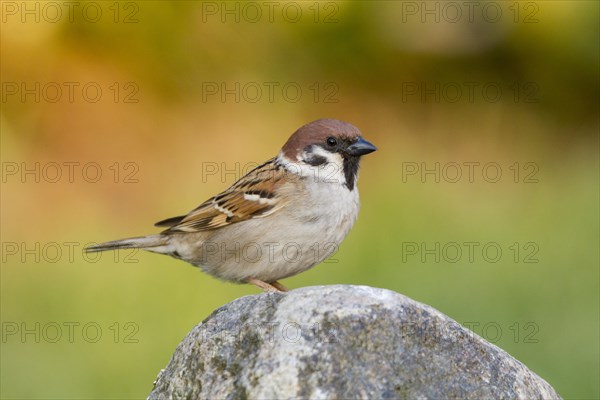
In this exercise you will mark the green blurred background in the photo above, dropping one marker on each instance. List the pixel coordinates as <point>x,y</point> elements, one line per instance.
<point>400,71</point>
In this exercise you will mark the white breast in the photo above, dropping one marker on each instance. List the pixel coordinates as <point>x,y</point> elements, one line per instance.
<point>295,238</point>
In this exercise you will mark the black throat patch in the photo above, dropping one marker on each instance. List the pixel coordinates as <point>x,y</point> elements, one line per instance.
<point>350,170</point>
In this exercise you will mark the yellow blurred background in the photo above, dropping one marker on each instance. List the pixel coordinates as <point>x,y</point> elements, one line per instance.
<point>482,200</point>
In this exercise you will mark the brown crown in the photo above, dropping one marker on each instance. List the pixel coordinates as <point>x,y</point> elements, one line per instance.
<point>317,132</point>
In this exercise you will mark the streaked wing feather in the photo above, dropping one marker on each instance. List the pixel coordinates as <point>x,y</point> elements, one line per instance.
<point>255,195</point>
<point>170,221</point>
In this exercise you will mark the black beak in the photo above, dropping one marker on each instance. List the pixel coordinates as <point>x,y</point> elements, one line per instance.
<point>360,148</point>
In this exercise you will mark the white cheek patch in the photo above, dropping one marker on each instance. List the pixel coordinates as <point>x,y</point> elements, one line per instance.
<point>332,158</point>
<point>331,171</point>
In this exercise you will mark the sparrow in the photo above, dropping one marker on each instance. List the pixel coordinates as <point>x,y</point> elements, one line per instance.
<point>280,219</point>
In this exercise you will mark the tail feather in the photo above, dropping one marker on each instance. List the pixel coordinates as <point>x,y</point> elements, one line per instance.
<point>155,243</point>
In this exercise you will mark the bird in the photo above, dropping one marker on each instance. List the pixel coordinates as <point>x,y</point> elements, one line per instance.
<point>282,218</point>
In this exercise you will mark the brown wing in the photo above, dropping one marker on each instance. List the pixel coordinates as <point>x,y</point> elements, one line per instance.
<point>255,195</point>
<point>170,221</point>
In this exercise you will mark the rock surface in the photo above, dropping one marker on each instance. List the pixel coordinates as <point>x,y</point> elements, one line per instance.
<point>340,342</point>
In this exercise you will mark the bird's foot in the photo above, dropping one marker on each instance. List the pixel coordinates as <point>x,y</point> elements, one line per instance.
<point>267,287</point>
<point>279,286</point>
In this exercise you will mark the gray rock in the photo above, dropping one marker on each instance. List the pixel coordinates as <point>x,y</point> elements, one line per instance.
<point>340,342</point>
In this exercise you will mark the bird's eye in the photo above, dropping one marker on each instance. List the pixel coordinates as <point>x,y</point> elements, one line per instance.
<point>331,141</point>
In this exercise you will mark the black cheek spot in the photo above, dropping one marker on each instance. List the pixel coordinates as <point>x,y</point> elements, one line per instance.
<point>311,158</point>
<point>315,160</point>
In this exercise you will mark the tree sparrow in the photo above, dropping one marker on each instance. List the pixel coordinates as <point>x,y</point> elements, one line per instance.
<point>282,218</point>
